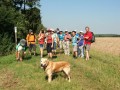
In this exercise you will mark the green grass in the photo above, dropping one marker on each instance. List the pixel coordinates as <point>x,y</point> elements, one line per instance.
<point>101,72</point>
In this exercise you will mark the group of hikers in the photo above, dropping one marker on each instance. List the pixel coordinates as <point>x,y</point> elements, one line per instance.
<point>56,39</point>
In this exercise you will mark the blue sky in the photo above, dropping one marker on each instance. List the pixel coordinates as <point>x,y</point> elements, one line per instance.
<point>102,16</point>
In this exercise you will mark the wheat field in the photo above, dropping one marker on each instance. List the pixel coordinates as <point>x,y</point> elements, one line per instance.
<point>110,45</point>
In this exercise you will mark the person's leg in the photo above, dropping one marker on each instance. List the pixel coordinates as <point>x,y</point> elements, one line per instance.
<point>87,51</point>
<point>76,51</point>
<point>60,46</point>
<point>63,44</point>
<point>79,51</point>
<point>21,55</point>
<point>30,49</point>
<point>65,48</point>
<point>41,50</point>
<point>76,54</point>
<point>34,49</point>
<point>68,48</point>
<point>17,55</point>
<point>82,51</point>
<point>87,55</point>
<point>51,55</point>
<point>55,46</point>
<point>50,50</point>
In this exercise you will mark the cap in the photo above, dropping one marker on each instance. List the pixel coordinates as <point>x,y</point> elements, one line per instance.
<point>30,30</point>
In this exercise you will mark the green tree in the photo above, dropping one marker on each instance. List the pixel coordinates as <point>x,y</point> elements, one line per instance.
<point>11,15</point>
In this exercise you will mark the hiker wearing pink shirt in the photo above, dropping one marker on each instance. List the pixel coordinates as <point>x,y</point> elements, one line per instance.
<point>66,43</point>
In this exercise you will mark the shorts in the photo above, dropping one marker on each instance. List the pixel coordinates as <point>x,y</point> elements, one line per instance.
<point>41,45</point>
<point>32,46</point>
<point>87,47</point>
<point>54,45</point>
<point>75,48</point>
<point>49,48</point>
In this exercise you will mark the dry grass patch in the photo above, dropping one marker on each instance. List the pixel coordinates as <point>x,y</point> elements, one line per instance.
<point>108,45</point>
<point>7,80</point>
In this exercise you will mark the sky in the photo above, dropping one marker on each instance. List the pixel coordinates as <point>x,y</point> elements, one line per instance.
<point>102,16</point>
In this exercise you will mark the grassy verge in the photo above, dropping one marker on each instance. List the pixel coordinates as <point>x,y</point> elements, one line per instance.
<point>101,72</point>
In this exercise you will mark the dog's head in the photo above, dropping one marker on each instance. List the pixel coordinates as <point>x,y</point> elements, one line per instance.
<point>44,62</point>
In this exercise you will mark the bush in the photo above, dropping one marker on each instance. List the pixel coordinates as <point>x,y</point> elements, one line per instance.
<point>6,44</point>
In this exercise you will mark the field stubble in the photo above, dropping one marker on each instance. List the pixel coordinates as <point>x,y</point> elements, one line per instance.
<point>108,45</point>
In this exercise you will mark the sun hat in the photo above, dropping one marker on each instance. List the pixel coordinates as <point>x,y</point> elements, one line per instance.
<point>49,30</point>
<point>22,42</point>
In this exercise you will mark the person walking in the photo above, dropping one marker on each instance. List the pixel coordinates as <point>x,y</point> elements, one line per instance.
<point>66,43</point>
<point>74,43</point>
<point>41,39</point>
<point>55,40</point>
<point>81,45</point>
<point>31,42</point>
<point>61,41</point>
<point>87,38</point>
<point>49,43</point>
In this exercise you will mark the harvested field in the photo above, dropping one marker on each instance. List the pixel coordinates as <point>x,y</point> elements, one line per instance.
<point>108,45</point>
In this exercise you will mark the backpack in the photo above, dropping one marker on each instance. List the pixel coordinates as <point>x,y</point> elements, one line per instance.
<point>93,38</point>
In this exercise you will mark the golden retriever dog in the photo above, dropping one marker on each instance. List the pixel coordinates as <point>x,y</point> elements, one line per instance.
<point>51,67</point>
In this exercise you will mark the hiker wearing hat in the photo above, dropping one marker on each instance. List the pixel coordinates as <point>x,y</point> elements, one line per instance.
<point>74,43</point>
<point>61,41</point>
<point>66,43</point>
<point>81,45</point>
<point>55,40</point>
<point>49,43</point>
<point>31,42</point>
<point>20,49</point>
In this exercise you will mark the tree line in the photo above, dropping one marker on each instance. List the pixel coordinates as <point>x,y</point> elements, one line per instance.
<point>23,14</point>
<point>107,35</point>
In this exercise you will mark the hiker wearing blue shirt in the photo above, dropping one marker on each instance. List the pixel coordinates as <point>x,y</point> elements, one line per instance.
<point>81,45</point>
<point>61,41</point>
<point>74,43</point>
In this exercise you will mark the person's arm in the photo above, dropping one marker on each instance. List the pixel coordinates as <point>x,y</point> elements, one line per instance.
<point>70,36</point>
<point>27,40</point>
<point>86,36</point>
<point>40,37</point>
<point>65,37</point>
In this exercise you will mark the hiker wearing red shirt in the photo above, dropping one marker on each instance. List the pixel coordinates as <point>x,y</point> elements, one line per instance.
<point>41,39</point>
<point>87,42</point>
<point>49,43</point>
